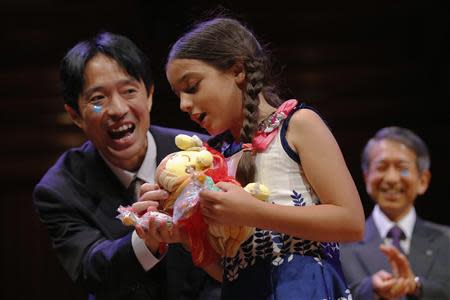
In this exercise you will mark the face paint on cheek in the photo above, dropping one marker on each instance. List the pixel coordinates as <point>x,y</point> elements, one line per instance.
<point>97,108</point>
<point>404,173</point>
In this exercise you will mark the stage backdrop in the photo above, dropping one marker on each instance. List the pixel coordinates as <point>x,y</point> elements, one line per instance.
<point>362,64</point>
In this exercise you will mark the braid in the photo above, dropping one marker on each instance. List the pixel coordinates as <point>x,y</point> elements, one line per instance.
<point>245,172</point>
<point>255,76</point>
<point>255,82</point>
<point>223,43</point>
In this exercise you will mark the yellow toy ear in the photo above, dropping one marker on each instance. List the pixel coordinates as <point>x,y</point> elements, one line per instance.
<point>183,141</point>
<point>186,142</point>
<point>258,190</point>
<point>204,159</point>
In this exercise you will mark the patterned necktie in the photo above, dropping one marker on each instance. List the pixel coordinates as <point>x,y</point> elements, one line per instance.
<point>396,234</point>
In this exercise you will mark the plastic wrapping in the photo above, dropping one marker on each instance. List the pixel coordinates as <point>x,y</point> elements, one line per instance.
<point>130,217</point>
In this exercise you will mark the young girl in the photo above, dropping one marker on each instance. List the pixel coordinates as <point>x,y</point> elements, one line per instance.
<point>222,76</point>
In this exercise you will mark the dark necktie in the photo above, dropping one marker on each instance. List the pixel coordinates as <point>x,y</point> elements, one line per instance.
<point>134,187</point>
<point>396,234</point>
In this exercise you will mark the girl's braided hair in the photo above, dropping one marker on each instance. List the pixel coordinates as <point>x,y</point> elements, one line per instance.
<point>223,42</point>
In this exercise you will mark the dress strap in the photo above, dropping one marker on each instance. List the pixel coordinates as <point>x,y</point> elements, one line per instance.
<point>269,130</point>
<point>289,151</point>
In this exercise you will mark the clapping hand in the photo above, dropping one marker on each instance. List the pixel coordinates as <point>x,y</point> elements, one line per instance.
<point>398,283</point>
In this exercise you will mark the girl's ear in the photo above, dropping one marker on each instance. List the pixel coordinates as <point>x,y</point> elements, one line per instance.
<point>239,73</point>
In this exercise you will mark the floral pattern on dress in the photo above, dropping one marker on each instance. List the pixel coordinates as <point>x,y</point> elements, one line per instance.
<point>279,246</point>
<point>348,296</point>
<point>294,268</point>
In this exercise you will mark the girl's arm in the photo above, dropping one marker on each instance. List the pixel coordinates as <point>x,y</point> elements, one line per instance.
<point>339,217</point>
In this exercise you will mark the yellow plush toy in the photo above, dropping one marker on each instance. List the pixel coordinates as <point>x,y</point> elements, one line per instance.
<point>226,239</point>
<point>184,174</point>
<point>175,170</point>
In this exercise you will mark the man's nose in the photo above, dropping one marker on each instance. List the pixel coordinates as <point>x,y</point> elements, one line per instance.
<point>117,107</point>
<point>392,174</point>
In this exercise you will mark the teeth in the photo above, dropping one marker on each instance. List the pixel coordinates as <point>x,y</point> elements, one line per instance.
<point>122,128</point>
<point>390,191</point>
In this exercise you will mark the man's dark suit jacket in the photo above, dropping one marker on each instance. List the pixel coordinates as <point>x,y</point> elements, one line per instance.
<point>77,200</point>
<point>429,257</point>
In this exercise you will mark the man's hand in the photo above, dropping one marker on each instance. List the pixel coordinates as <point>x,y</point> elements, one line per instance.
<point>382,282</point>
<point>159,230</point>
<point>150,196</point>
<point>401,282</point>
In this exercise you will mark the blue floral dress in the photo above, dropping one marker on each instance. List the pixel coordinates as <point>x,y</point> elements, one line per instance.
<point>273,265</point>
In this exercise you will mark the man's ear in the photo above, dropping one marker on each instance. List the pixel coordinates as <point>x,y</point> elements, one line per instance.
<point>74,115</point>
<point>151,89</point>
<point>366,182</point>
<point>424,182</point>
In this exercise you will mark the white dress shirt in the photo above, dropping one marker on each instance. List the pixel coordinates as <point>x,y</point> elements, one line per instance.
<point>384,224</point>
<point>147,173</point>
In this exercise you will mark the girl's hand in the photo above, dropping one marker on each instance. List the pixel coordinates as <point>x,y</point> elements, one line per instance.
<point>231,206</point>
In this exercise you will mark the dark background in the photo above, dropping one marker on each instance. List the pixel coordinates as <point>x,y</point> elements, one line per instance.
<point>362,64</point>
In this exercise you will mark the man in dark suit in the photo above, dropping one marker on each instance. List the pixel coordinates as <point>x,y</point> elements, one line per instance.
<point>402,256</point>
<point>107,88</point>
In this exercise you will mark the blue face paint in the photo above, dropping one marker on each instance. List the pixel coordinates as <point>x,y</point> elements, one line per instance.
<point>404,173</point>
<point>97,108</point>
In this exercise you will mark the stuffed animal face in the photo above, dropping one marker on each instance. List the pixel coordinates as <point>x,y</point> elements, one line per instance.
<point>183,163</point>
<point>179,166</point>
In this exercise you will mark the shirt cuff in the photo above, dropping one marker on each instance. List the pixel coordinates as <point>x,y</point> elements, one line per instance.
<point>144,256</point>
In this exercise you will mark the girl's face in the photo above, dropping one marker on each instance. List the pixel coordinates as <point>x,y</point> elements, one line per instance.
<point>211,97</point>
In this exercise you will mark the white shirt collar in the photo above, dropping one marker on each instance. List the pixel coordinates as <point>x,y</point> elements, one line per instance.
<point>384,224</point>
<point>147,170</point>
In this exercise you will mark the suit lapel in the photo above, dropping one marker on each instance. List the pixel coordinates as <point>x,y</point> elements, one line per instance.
<point>164,140</point>
<point>107,193</point>
<point>423,250</point>
<point>369,254</point>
